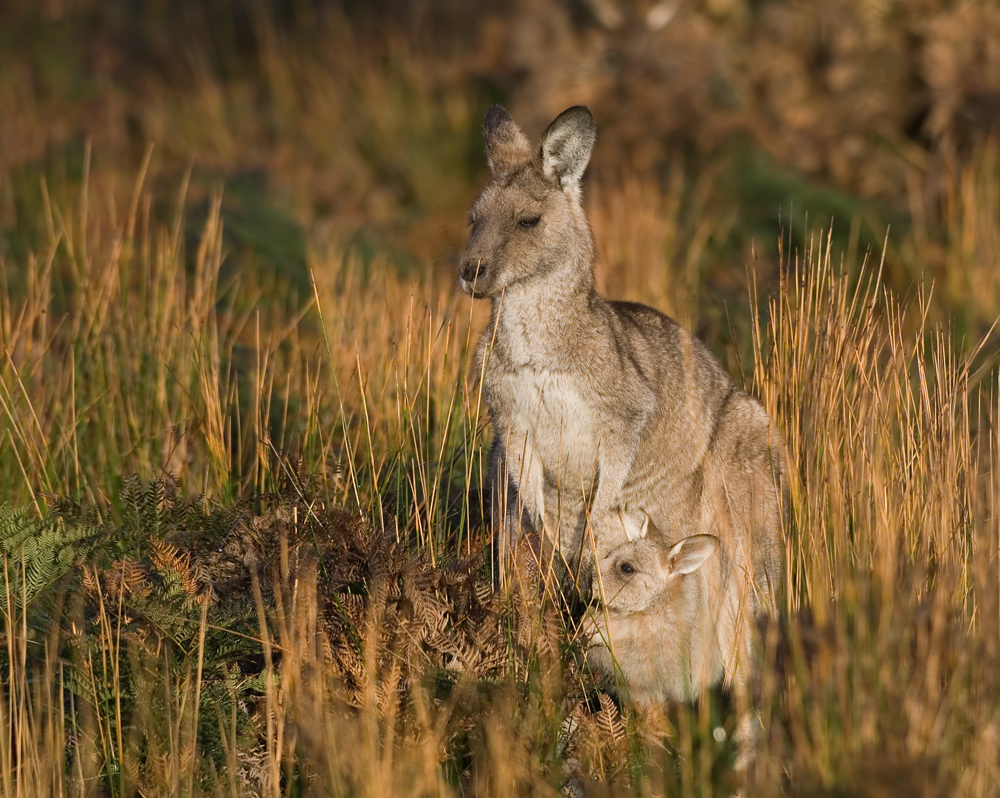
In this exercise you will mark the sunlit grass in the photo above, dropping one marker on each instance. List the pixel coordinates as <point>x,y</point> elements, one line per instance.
<point>144,362</point>
<point>151,325</point>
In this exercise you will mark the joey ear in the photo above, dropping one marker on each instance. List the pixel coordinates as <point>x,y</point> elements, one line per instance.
<point>689,554</point>
<point>635,529</point>
<point>566,146</point>
<point>506,145</point>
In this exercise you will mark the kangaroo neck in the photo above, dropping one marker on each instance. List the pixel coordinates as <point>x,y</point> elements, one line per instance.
<point>545,323</point>
<point>545,298</point>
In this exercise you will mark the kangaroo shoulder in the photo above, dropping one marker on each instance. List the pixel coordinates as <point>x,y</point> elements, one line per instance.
<point>642,318</point>
<point>676,349</point>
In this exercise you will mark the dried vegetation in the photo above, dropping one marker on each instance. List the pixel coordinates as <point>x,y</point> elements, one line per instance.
<point>258,318</point>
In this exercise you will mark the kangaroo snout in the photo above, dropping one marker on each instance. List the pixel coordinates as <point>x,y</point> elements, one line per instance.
<point>472,275</point>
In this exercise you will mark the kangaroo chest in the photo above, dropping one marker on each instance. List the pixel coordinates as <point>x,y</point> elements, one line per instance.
<point>554,417</point>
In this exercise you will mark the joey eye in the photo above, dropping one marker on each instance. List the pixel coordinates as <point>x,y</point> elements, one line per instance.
<point>529,222</point>
<point>627,568</point>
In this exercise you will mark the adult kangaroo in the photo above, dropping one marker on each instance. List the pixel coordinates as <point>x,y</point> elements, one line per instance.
<point>600,408</point>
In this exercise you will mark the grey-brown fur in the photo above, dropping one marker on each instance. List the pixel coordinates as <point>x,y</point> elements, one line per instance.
<point>675,619</point>
<point>654,630</point>
<point>600,407</point>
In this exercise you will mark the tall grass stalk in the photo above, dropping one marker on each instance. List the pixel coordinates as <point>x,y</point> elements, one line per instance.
<point>128,351</point>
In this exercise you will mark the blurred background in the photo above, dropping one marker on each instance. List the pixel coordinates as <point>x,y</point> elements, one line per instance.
<point>360,120</point>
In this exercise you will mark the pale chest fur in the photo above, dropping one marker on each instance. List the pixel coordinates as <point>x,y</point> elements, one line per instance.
<point>554,417</point>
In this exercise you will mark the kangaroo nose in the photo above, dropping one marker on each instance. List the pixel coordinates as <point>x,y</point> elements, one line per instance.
<point>473,270</point>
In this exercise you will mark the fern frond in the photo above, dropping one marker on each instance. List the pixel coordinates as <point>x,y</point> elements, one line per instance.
<point>39,552</point>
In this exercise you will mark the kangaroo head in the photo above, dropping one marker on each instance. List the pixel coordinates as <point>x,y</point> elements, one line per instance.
<point>643,572</point>
<point>528,221</point>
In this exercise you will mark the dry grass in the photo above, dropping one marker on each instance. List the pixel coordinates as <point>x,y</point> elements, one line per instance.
<point>256,640</point>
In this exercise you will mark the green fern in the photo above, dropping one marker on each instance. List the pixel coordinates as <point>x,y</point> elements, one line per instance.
<point>38,553</point>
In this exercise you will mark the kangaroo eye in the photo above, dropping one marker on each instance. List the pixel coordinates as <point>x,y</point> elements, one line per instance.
<point>531,221</point>
<point>627,568</point>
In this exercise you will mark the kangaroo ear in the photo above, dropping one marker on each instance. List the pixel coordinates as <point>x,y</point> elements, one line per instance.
<point>635,529</point>
<point>506,146</point>
<point>689,554</point>
<point>566,146</point>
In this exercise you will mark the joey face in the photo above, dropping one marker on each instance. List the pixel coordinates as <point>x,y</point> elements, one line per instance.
<point>630,577</point>
<point>644,574</point>
<point>528,221</point>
